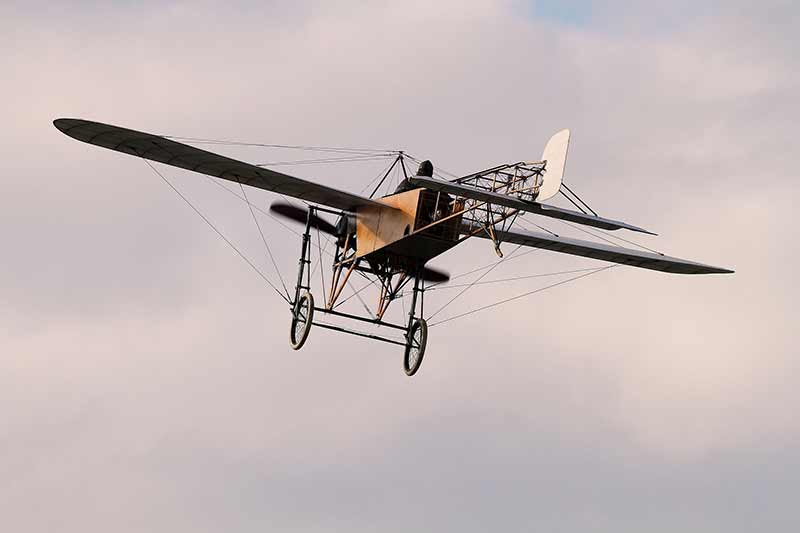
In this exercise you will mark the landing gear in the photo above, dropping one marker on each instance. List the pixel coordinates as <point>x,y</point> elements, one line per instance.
<point>303,304</point>
<point>302,317</point>
<point>414,330</point>
<point>415,346</point>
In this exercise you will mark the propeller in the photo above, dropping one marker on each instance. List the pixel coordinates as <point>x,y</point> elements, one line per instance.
<point>300,214</point>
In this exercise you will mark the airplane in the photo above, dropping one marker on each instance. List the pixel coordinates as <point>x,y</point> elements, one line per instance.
<point>391,239</point>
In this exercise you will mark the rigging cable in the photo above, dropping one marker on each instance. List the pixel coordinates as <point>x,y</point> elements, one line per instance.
<point>332,149</point>
<point>218,232</point>
<point>601,237</point>
<point>578,198</point>
<point>348,159</point>
<point>264,240</point>
<point>484,267</point>
<point>254,206</point>
<point>360,299</point>
<point>540,289</point>
<point>470,285</point>
<point>321,270</point>
<point>573,202</point>
<point>517,278</point>
<point>262,211</point>
<point>385,175</point>
<point>370,284</point>
<point>376,178</point>
<point>267,213</point>
<point>520,219</point>
<point>436,170</point>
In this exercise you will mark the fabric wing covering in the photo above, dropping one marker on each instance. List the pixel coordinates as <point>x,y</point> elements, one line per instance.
<point>604,252</point>
<point>163,150</point>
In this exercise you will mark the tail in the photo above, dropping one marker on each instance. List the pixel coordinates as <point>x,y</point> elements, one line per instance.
<point>555,157</point>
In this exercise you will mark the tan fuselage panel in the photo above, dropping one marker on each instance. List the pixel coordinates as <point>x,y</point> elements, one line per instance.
<point>377,227</point>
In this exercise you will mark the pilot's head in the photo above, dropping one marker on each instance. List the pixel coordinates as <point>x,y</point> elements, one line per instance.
<point>425,169</point>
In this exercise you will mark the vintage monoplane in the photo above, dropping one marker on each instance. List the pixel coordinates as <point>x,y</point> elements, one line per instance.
<point>392,238</point>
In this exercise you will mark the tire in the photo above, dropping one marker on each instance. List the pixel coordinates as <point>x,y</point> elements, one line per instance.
<point>415,346</point>
<point>302,318</point>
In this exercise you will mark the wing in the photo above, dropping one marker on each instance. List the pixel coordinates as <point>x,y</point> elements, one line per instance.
<point>604,252</point>
<point>467,191</point>
<point>157,148</point>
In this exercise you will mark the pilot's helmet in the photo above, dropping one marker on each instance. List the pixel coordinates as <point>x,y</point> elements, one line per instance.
<point>425,169</point>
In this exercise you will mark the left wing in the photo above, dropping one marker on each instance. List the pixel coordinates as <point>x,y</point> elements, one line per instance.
<point>467,191</point>
<point>163,150</point>
<point>604,252</point>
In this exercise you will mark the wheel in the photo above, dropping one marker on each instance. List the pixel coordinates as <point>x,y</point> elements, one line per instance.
<point>302,316</point>
<point>415,346</point>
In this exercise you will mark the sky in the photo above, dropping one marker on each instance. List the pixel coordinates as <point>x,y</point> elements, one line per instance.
<point>146,381</point>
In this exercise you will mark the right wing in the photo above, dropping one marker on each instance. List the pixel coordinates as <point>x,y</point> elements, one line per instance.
<point>604,252</point>
<point>163,150</point>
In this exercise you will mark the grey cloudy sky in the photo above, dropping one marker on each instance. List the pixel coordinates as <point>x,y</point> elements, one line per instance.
<point>146,381</point>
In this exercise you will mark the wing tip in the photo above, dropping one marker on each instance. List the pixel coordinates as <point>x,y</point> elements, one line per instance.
<point>61,123</point>
<point>65,124</point>
<point>708,269</point>
<point>639,230</point>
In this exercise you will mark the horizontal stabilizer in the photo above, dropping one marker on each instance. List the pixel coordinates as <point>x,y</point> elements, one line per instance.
<point>467,191</point>
<point>604,252</point>
<point>552,211</point>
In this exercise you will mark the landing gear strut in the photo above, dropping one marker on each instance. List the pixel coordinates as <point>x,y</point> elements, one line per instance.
<point>416,332</point>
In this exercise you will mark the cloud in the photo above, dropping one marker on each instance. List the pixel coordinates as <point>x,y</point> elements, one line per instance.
<point>145,374</point>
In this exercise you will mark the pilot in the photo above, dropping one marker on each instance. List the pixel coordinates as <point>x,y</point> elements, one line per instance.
<point>425,169</point>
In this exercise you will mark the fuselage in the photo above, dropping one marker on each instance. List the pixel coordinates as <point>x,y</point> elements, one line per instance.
<point>414,227</point>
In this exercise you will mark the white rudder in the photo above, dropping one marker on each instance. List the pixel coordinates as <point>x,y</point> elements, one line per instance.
<point>555,154</point>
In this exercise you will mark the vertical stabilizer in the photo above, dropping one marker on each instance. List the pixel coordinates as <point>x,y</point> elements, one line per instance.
<point>555,153</point>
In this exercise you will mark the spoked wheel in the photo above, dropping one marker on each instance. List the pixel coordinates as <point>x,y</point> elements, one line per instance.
<point>302,315</point>
<point>415,346</point>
